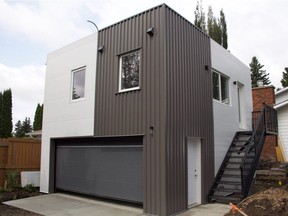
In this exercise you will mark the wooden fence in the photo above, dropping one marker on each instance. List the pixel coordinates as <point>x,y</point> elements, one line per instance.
<point>19,155</point>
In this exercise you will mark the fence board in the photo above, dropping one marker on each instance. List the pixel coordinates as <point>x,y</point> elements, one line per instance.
<point>19,155</point>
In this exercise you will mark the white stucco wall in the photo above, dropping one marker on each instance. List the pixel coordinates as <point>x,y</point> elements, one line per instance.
<point>62,116</point>
<point>226,117</point>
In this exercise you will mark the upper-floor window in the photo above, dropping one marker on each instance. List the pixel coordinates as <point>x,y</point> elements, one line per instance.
<point>129,71</point>
<point>220,87</point>
<point>78,83</point>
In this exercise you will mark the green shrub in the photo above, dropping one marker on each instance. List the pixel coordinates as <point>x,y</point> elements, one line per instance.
<point>30,188</point>
<point>12,180</point>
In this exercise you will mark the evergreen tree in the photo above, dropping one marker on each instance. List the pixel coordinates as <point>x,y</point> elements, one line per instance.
<point>7,113</point>
<point>26,125</point>
<point>257,73</point>
<point>224,29</point>
<point>217,32</point>
<point>216,28</point>
<point>200,17</point>
<point>19,129</point>
<point>210,19</point>
<point>1,115</point>
<point>284,80</point>
<point>37,124</point>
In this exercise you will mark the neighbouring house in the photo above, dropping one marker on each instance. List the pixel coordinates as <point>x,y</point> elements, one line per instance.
<point>145,111</point>
<point>282,110</point>
<point>35,134</point>
<point>266,95</point>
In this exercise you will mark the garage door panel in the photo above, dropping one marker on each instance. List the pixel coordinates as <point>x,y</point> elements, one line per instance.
<point>109,171</point>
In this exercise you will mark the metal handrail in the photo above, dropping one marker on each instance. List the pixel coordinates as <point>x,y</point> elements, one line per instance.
<point>267,121</point>
<point>252,141</point>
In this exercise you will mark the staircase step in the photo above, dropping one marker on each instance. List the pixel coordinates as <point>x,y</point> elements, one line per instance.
<point>225,199</point>
<point>237,156</point>
<point>227,190</point>
<point>245,132</point>
<point>232,162</point>
<point>228,183</point>
<point>231,176</point>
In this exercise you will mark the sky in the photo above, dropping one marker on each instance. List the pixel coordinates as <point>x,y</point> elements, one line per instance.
<point>30,29</point>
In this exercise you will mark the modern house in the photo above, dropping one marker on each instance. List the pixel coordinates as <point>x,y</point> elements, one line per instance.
<point>143,111</point>
<point>282,110</point>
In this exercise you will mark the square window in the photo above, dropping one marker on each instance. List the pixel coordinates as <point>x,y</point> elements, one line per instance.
<point>78,83</point>
<point>220,87</point>
<point>129,71</point>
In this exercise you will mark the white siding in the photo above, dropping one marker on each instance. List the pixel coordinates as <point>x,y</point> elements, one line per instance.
<point>282,111</point>
<point>226,117</point>
<point>281,95</point>
<point>62,116</point>
<point>283,127</point>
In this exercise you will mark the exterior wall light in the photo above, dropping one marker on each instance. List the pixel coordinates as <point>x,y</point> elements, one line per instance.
<point>101,49</point>
<point>150,31</point>
<point>151,130</point>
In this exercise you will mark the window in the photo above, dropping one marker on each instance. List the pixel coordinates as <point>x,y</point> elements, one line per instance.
<point>220,87</point>
<point>78,83</point>
<point>129,71</point>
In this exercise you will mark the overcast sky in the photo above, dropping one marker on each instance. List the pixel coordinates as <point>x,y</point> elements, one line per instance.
<point>30,29</point>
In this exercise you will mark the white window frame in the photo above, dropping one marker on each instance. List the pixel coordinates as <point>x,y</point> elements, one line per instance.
<point>72,82</point>
<point>120,72</point>
<point>220,88</point>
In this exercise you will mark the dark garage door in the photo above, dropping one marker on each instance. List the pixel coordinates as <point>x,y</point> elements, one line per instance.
<point>108,170</point>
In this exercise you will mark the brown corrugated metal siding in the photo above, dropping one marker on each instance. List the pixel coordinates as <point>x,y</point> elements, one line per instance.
<point>189,106</point>
<point>135,112</point>
<point>174,98</point>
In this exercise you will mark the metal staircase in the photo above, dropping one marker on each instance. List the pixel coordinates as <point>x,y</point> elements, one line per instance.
<point>234,178</point>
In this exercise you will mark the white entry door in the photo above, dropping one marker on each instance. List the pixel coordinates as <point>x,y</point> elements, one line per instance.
<point>194,170</point>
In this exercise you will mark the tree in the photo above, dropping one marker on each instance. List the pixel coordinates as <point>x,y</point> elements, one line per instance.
<point>37,124</point>
<point>257,73</point>
<point>26,125</point>
<point>217,31</point>
<point>200,17</point>
<point>23,127</point>
<point>216,28</point>
<point>19,130</point>
<point>224,29</point>
<point>7,114</point>
<point>210,19</point>
<point>1,115</point>
<point>284,80</point>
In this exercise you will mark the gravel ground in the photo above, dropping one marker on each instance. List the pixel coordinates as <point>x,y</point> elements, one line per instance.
<point>6,210</point>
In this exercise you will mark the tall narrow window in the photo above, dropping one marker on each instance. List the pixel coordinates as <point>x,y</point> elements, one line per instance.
<point>78,83</point>
<point>129,71</point>
<point>215,77</point>
<point>220,87</point>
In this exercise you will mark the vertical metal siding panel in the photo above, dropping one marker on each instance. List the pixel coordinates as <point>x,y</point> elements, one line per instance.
<point>189,107</point>
<point>134,112</point>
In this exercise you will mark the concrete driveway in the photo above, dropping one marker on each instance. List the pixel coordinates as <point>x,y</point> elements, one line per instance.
<point>67,205</point>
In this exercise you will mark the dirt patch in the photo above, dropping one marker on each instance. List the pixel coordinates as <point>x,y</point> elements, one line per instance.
<point>7,210</point>
<point>273,201</point>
